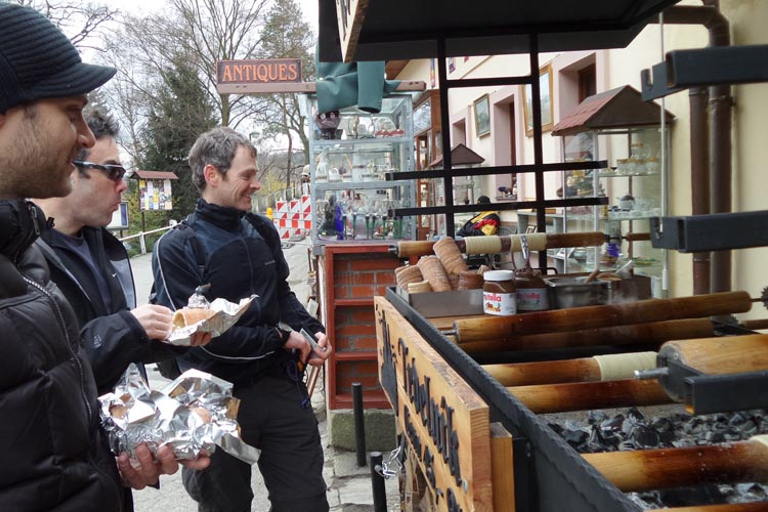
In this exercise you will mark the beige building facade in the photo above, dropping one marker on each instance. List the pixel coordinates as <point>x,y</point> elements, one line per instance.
<point>507,143</point>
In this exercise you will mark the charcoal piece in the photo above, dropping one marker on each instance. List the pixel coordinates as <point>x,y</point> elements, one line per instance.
<point>645,437</point>
<point>662,424</point>
<point>737,419</point>
<point>627,446</point>
<point>713,437</point>
<point>691,496</point>
<point>636,415</point>
<point>749,428</point>
<point>732,434</point>
<point>646,500</point>
<point>575,437</point>
<point>666,438</point>
<point>684,443</point>
<point>628,426</point>
<point>694,426</point>
<point>556,427</point>
<point>612,424</point>
<point>596,417</point>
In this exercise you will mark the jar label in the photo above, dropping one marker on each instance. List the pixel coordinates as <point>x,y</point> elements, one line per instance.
<point>502,304</point>
<point>532,299</point>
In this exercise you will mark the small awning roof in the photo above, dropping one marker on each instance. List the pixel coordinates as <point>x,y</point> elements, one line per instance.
<point>622,107</point>
<point>154,175</point>
<point>460,155</point>
<point>405,29</point>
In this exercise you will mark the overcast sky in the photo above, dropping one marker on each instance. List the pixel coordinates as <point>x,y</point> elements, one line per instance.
<point>308,8</point>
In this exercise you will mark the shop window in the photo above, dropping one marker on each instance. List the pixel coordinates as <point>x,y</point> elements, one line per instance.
<point>587,82</point>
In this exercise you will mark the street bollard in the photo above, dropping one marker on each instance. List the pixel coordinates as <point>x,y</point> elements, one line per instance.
<point>357,406</point>
<point>377,480</point>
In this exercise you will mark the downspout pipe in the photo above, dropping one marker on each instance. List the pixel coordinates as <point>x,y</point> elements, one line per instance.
<point>711,169</point>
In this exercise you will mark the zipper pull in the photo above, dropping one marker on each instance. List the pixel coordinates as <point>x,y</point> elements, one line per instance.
<point>33,213</point>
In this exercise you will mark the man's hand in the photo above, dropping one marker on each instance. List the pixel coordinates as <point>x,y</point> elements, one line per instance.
<point>324,350</point>
<point>157,321</point>
<point>150,469</point>
<point>316,358</point>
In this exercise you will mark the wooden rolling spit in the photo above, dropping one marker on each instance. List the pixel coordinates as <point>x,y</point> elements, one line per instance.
<point>592,317</point>
<point>550,398</point>
<point>585,369</point>
<point>653,333</point>
<point>554,241</point>
<point>721,355</point>
<point>645,470</point>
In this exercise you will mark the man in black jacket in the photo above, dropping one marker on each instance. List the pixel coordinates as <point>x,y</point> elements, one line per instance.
<point>239,254</point>
<point>57,455</point>
<point>92,268</point>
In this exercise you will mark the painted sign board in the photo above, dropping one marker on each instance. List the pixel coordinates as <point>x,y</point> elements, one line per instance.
<point>445,422</point>
<point>350,15</point>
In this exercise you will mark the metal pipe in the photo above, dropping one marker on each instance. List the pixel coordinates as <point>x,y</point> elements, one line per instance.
<point>700,190</point>
<point>721,102</point>
<point>357,407</point>
<point>377,481</point>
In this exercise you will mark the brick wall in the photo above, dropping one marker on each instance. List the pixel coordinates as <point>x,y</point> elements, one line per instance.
<point>362,276</point>
<point>358,276</point>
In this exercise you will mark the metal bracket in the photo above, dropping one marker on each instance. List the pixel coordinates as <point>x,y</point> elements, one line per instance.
<point>724,393</point>
<point>715,232</point>
<point>722,65</point>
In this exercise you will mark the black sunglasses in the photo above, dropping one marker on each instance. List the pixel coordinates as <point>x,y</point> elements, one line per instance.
<point>114,172</point>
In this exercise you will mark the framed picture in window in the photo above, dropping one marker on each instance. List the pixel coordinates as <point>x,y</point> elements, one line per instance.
<point>547,112</point>
<point>482,113</point>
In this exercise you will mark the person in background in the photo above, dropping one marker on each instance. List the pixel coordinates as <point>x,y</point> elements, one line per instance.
<point>239,254</point>
<point>92,269</point>
<point>57,455</point>
<point>484,223</point>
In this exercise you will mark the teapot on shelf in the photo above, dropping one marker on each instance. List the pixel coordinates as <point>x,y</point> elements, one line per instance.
<point>627,202</point>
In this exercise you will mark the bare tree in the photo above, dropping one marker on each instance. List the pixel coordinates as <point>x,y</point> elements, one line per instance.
<point>286,35</point>
<point>79,20</point>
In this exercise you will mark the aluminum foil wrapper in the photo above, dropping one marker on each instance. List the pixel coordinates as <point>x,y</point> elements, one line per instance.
<point>227,315</point>
<point>194,413</point>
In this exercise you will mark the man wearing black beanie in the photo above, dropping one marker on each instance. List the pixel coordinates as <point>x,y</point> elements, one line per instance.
<point>57,457</point>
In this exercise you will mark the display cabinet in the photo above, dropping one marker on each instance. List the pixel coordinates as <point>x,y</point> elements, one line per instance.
<point>634,188</point>
<point>349,156</point>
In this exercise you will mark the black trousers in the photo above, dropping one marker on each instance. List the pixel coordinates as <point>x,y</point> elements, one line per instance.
<point>275,417</point>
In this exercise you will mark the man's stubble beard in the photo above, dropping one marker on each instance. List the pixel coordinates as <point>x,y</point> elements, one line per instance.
<point>32,170</point>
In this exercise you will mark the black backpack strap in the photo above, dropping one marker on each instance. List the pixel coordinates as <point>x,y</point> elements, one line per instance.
<point>197,248</point>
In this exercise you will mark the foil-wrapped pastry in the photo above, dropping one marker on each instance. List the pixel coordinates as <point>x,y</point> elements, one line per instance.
<point>193,414</point>
<point>200,316</point>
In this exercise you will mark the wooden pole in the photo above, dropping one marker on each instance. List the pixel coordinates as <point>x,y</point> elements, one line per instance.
<point>649,333</point>
<point>545,372</point>
<point>549,398</point>
<point>587,369</point>
<point>408,249</point>
<point>591,317</point>
<point>645,470</point>
<point>721,355</point>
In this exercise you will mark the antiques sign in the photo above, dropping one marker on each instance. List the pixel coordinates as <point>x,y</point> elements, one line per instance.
<point>258,71</point>
<point>445,422</point>
<point>350,15</point>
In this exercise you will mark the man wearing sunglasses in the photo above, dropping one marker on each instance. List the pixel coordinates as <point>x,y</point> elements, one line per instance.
<point>92,267</point>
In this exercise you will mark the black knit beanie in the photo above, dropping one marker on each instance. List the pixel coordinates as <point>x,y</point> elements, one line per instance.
<point>38,61</point>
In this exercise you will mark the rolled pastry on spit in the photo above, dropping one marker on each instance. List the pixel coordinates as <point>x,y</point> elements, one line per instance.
<point>407,275</point>
<point>450,255</point>
<point>188,316</point>
<point>433,271</point>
